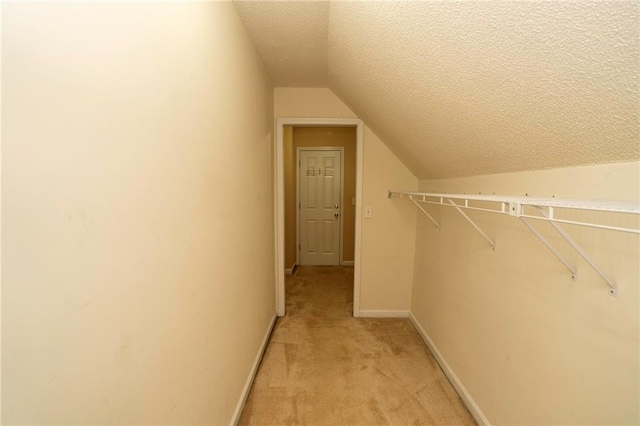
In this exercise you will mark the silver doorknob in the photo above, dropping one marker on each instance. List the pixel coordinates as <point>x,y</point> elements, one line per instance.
<point>336,206</point>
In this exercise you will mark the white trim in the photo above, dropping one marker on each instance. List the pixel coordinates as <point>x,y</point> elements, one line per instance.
<point>290,271</point>
<point>473,408</point>
<point>347,263</point>
<point>252,374</point>
<point>297,209</point>
<point>279,225</point>
<point>341,210</point>
<point>342,201</point>
<point>279,222</point>
<point>383,314</point>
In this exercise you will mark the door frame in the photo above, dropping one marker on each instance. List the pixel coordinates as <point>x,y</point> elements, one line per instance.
<point>341,220</point>
<point>279,201</point>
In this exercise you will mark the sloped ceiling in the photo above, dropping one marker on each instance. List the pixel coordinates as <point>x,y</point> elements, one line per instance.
<point>468,88</point>
<point>291,38</point>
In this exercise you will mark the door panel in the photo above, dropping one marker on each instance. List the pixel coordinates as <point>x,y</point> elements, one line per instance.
<point>328,236</point>
<point>312,226</point>
<point>320,207</point>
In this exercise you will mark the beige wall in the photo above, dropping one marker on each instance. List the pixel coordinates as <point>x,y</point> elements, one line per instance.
<point>344,137</point>
<point>1,218</point>
<point>388,238</point>
<point>138,246</point>
<point>1,215</point>
<point>530,345</point>
<point>309,103</point>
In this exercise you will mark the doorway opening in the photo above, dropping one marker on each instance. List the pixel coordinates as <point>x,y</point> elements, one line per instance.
<point>319,167</point>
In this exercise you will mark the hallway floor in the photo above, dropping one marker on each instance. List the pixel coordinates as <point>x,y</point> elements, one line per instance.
<point>322,366</point>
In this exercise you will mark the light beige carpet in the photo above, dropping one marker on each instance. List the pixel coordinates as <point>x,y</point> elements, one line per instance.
<point>322,366</point>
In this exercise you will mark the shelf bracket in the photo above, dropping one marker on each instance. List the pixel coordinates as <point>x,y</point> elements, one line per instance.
<point>613,288</point>
<point>572,269</point>
<point>493,245</point>
<point>426,213</point>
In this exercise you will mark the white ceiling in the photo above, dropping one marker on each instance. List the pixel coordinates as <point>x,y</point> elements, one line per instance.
<point>291,38</point>
<point>468,88</point>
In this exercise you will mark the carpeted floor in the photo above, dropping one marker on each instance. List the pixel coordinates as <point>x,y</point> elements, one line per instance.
<point>322,366</point>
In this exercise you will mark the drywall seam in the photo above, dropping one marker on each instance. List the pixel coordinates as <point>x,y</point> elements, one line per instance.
<point>383,313</point>
<point>252,374</point>
<point>473,408</point>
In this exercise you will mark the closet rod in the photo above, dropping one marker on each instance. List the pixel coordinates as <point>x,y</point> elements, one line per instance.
<point>515,206</point>
<point>545,207</point>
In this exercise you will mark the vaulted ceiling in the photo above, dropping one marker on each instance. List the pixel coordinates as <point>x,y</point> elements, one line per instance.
<point>468,88</point>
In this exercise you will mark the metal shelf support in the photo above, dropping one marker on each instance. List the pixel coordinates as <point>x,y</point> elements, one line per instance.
<point>613,288</point>
<point>493,245</point>
<point>426,213</point>
<point>515,206</point>
<point>534,230</point>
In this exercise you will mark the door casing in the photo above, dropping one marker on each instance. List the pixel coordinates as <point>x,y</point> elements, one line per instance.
<point>279,201</point>
<point>342,201</point>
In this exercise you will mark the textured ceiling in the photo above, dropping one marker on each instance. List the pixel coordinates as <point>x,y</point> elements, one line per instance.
<point>291,39</point>
<point>468,88</point>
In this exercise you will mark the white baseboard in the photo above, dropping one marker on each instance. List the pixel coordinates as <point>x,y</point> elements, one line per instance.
<point>347,263</point>
<point>451,375</point>
<point>382,314</point>
<point>291,270</point>
<point>252,374</point>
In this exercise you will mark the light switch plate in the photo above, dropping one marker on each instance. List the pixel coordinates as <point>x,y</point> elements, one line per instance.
<point>368,211</point>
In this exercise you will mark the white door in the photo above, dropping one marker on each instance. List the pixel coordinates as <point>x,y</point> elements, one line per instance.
<point>320,207</point>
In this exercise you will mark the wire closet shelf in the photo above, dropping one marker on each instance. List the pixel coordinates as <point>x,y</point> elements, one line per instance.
<point>526,208</point>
